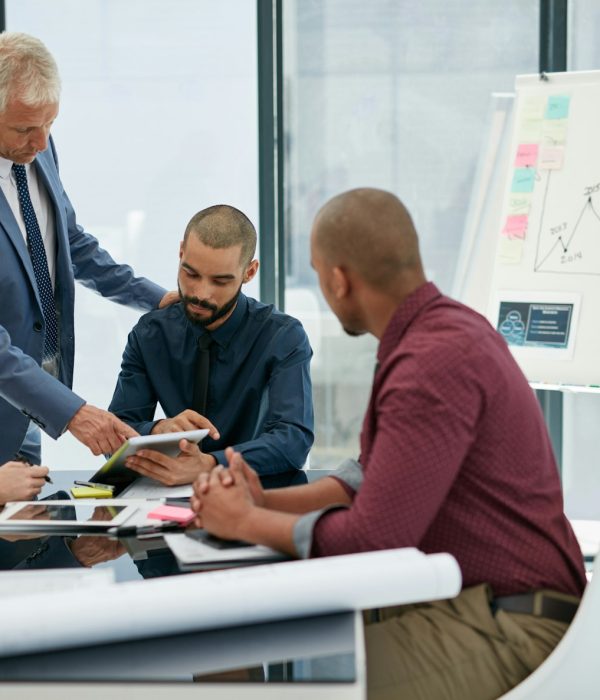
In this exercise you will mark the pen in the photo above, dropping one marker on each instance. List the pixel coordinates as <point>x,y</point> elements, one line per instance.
<point>20,458</point>
<point>92,485</point>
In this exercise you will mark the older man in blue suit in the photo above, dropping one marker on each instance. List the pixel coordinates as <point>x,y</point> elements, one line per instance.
<point>42,251</point>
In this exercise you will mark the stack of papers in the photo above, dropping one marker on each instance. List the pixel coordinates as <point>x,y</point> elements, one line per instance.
<point>146,488</point>
<point>197,551</point>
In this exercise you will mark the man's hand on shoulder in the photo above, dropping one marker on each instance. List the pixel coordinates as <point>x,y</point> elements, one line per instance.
<point>186,420</point>
<point>172,471</point>
<point>168,299</point>
<point>99,430</point>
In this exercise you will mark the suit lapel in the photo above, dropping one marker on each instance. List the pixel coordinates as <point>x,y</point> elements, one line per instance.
<point>49,176</point>
<point>13,232</point>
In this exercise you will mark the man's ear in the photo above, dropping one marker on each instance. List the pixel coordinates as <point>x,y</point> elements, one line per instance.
<point>250,272</point>
<point>340,283</point>
<point>181,246</point>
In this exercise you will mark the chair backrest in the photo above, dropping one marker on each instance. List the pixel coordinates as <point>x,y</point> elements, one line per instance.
<point>572,670</point>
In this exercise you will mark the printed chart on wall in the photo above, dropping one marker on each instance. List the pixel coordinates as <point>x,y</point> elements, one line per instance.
<point>545,297</point>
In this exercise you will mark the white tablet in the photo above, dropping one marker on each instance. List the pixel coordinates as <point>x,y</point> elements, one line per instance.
<point>115,473</point>
<point>64,517</point>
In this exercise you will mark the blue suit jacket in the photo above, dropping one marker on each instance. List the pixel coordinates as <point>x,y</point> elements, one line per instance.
<point>26,391</point>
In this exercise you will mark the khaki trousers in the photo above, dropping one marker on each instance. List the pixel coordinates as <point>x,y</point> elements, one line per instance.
<point>454,649</point>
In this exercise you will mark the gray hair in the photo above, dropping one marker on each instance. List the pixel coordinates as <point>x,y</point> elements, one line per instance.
<point>28,71</point>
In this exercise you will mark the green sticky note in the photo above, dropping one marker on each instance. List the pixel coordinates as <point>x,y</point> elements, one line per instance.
<point>557,107</point>
<point>523,180</point>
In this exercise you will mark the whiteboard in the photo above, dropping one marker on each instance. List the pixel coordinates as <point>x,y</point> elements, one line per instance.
<point>545,279</point>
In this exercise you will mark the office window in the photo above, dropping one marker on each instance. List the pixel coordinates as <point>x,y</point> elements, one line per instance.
<point>394,95</point>
<point>158,120</point>
<point>581,412</point>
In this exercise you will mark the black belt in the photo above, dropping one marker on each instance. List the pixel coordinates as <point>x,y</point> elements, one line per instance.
<point>556,606</point>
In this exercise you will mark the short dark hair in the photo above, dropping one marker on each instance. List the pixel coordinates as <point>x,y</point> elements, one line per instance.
<point>223,226</point>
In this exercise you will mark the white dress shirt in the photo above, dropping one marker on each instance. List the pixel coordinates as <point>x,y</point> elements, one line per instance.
<point>41,205</point>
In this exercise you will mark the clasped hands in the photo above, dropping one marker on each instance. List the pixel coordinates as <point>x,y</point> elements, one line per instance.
<point>225,499</point>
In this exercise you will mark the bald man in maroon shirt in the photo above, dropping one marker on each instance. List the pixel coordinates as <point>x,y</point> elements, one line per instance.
<point>455,457</point>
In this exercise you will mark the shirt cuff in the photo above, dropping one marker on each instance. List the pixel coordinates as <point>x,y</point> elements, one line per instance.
<point>304,528</point>
<point>350,472</point>
<point>219,455</point>
<point>146,427</point>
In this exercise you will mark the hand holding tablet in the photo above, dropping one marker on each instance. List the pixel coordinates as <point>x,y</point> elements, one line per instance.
<point>115,472</point>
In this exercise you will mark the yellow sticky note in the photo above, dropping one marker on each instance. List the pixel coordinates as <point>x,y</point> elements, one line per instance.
<point>90,492</point>
<point>510,251</point>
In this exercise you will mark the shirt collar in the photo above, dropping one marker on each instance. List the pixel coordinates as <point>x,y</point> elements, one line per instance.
<point>404,316</point>
<point>5,168</point>
<point>223,334</point>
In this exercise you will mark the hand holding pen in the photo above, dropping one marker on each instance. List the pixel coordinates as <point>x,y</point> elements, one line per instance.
<point>20,458</point>
<point>20,481</point>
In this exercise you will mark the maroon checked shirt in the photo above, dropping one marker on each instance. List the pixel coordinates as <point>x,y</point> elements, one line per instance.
<point>456,457</point>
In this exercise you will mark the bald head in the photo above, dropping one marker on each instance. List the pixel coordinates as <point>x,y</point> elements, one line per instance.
<point>370,232</point>
<point>222,226</point>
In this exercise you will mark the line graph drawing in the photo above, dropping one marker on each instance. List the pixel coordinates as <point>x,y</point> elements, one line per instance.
<point>567,248</point>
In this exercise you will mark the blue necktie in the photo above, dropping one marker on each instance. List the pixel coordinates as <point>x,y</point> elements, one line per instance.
<point>39,262</point>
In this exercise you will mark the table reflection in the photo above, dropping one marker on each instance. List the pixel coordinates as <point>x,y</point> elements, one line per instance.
<point>32,551</point>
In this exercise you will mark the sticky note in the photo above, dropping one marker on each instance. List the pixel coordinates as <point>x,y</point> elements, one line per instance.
<point>510,251</point>
<point>530,131</point>
<point>557,107</point>
<point>90,492</point>
<point>554,132</point>
<point>552,157</point>
<point>176,514</point>
<point>519,204</point>
<point>534,107</point>
<point>527,154</point>
<point>523,180</point>
<point>516,226</point>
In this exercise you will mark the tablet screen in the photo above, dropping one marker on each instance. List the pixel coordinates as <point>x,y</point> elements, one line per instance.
<point>115,473</point>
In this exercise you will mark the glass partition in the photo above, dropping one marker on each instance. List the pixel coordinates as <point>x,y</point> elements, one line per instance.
<point>391,95</point>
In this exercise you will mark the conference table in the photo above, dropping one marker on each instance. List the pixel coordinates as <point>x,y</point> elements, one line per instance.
<point>318,655</point>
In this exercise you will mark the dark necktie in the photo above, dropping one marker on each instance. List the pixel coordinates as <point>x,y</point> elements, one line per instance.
<point>39,261</point>
<point>201,375</point>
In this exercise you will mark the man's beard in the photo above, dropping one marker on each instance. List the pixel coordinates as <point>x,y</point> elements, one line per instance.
<point>353,333</point>
<point>217,312</point>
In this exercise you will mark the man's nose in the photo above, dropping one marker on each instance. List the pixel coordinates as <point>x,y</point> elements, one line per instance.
<point>39,140</point>
<point>202,290</point>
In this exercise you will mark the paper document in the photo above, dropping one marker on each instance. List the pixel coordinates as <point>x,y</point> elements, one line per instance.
<point>202,551</point>
<point>216,599</point>
<point>18,583</point>
<point>149,489</point>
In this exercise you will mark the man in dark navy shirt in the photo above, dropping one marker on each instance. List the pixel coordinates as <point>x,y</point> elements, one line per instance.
<point>259,391</point>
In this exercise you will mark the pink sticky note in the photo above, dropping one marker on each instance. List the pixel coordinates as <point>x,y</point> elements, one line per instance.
<point>515,226</point>
<point>551,157</point>
<point>527,154</point>
<point>174,513</point>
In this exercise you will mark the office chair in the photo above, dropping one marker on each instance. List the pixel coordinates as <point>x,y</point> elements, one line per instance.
<point>572,669</point>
